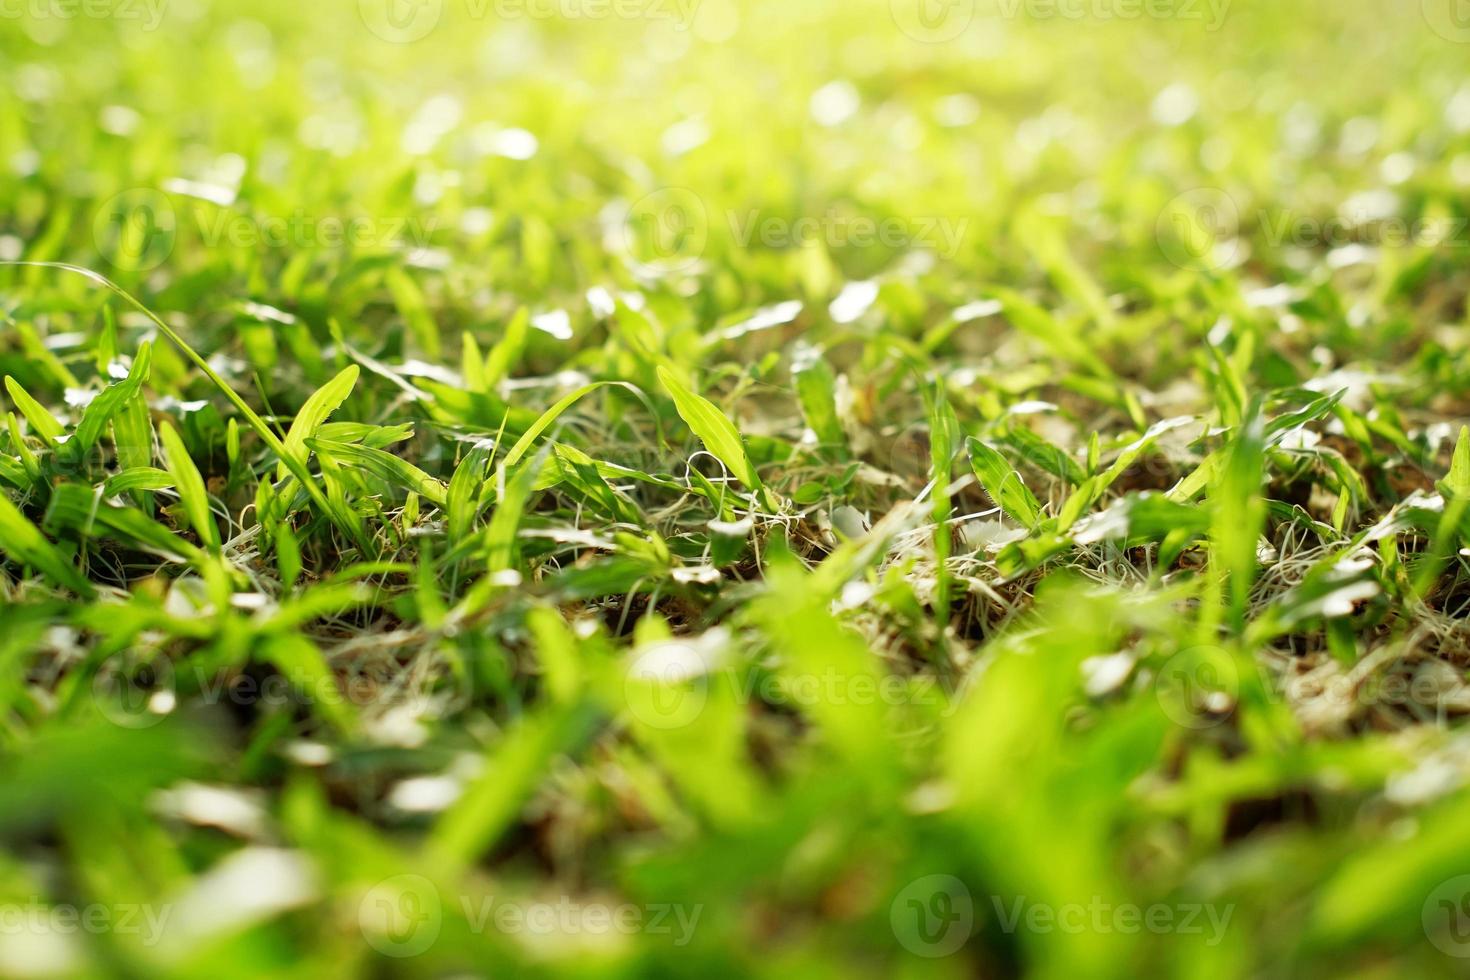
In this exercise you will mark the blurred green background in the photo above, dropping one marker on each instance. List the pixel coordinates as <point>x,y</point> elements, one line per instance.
<point>1130,180</point>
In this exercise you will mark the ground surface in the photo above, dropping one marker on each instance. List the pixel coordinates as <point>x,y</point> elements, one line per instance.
<point>708,489</point>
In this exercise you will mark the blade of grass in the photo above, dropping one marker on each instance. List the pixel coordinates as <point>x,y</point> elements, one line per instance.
<point>22,540</point>
<point>276,446</point>
<point>718,434</point>
<point>190,485</point>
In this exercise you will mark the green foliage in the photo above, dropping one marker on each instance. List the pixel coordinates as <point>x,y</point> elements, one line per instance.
<point>714,429</point>
<point>1004,484</point>
<point>734,489</point>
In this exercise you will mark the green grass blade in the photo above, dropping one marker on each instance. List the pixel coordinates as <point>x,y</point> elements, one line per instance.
<point>713,428</point>
<point>20,539</point>
<point>1004,484</point>
<point>192,494</point>
<point>43,423</point>
<point>385,466</point>
<point>109,402</point>
<point>318,408</point>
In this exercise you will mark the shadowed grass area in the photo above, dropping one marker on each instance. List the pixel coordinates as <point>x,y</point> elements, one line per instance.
<point>685,487</point>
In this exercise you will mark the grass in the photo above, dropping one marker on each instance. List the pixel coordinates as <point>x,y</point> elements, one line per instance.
<point>745,490</point>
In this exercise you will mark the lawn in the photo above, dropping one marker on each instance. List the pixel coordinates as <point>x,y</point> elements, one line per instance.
<point>635,488</point>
